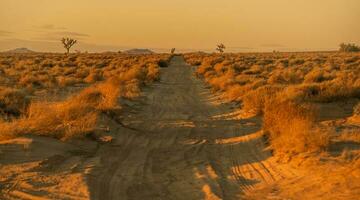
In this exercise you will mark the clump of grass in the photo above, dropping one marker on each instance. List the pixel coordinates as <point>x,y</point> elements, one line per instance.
<point>314,76</point>
<point>13,101</point>
<point>64,81</point>
<point>292,129</point>
<point>75,117</point>
<point>163,63</point>
<point>357,109</point>
<point>153,73</point>
<point>93,77</point>
<point>109,76</point>
<point>254,100</point>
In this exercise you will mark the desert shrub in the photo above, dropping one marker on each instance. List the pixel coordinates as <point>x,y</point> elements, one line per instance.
<point>297,61</point>
<point>131,89</point>
<point>163,63</point>
<point>256,69</point>
<point>153,73</point>
<point>322,92</point>
<point>222,82</point>
<point>64,81</point>
<point>93,77</point>
<point>254,100</point>
<point>82,73</point>
<point>202,69</point>
<point>314,76</point>
<point>291,127</point>
<point>12,101</point>
<point>29,80</point>
<point>60,120</point>
<point>349,47</point>
<point>357,109</point>
<point>74,117</point>
<point>221,67</point>
<point>69,71</point>
<point>301,93</point>
<point>276,78</point>
<point>283,63</point>
<point>235,93</point>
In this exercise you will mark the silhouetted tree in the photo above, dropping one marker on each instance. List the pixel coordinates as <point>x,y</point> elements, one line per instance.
<point>220,48</point>
<point>349,47</point>
<point>68,43</point>
<point>172,50</point>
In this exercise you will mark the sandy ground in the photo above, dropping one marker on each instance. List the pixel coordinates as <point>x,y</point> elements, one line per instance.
<point>180,142</point>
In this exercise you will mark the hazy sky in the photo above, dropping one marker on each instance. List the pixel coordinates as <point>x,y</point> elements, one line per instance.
<point>242,25</point>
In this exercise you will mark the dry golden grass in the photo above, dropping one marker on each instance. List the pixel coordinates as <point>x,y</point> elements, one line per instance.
<point>44,71</point>
<point>74,117</point>
<point>12,101</point>
<point>292,129</point>
<point>104,79</point>
<point>283,88</point>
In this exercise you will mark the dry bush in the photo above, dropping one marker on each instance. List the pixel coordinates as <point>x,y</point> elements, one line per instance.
<point>222,82</point>
<point>131,89</point>
<point>322,77</point>
<point>357,109</point>
<point>203,69</point>
<point>74,117</point>
<point>291,128</point>
<point>93,77</point>
<point>235,93</point>
<point>254,101</point>
<point>282,87</point>
<point>350,136</point>
<point>314,76</point>
<point>12,101</point>
<point>111,76</point>
<point>153,73</point>
<point>61,120</point>
<point>29,79</point>
<point>64,81</point>
<point>163,63</point>
<point>276,78</point>
<point>135,72</point>
<point>349,47</point>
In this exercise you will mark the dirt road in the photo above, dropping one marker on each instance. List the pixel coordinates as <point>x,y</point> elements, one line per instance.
<point>186,145</point>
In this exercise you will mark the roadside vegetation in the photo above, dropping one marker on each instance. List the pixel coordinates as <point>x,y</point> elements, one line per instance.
<point>289,90</point>
<point>63,96</point>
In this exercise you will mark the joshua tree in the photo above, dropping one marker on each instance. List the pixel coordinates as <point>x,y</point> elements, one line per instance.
<point>172,50</point>
<point>68,43</point>
<point>220,48</point>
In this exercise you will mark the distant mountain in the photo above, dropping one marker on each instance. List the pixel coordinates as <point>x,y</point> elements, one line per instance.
<point>138,51</point>
<point>20,50</point>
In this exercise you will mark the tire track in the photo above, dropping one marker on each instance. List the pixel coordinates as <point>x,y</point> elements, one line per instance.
<point>178,155</point>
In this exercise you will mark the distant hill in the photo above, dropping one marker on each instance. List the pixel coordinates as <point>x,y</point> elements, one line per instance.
<point>138,51</point>
<point>20,50</point>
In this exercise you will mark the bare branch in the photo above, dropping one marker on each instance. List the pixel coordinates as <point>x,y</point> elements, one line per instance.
<point>220,48</point>
<point>68,43</point>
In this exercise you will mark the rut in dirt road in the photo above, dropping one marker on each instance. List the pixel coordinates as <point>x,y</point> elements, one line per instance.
<point>185,146</point>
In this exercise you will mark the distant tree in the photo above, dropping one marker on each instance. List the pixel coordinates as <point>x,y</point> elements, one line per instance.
<point>349,47</point>
<point>172,50</point>
<point>220,48</point>
<point>68,43</point>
